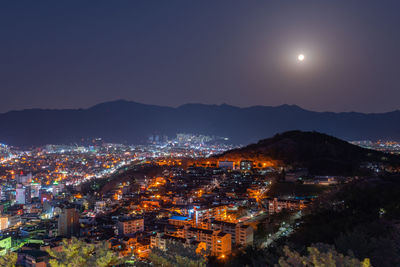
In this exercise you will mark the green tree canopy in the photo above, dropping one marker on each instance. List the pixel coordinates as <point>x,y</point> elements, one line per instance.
<point>9,259</point>
<point>176,255</point>
<point>76,253</point>
<point>317,257</point>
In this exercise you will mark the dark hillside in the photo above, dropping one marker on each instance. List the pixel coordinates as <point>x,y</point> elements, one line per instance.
<point>320,153</point>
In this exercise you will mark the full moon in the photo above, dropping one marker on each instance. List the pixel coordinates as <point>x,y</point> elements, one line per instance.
<point>300,57</point>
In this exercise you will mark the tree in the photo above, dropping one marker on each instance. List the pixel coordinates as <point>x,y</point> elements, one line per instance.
<point>249,256</point>
<point>320,257</point>
<point>378,241</point>
<point>176,255</point>
<point>76,253</point>
<point>9,259</point>
<point>360,217</point>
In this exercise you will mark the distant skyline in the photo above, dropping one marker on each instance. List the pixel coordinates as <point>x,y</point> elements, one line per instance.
<point>76,54</point>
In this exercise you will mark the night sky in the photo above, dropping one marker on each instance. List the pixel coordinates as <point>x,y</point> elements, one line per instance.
<point>70,54</point>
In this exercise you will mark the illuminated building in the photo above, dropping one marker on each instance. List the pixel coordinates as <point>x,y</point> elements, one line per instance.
<point>130,226</point>
<point>244,235</point>
<point>3,222</point>
<point>226,164</point>
<point>161,240</point>
<point>221,244</point>
<point>218,213</point>
<point>246,165</point>
<point>14,220</point>
<point>277,205</point>
<point>23,179</point>
<point>179,220</point>
<point>68,222</point>
<point>217,242</point>
<point>35,189</point>
<point>100,206</point>
<point>23,195</point>
<point>34,258</point>
<point>241,234</point>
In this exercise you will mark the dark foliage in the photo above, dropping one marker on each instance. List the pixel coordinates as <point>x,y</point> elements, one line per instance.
<point>361,218</point>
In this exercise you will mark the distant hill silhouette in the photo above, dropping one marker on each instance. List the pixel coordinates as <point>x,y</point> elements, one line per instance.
<point>320,153</point>
<point>124,121</point>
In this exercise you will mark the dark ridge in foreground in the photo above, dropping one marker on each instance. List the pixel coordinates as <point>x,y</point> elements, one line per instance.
<point>320,153</point>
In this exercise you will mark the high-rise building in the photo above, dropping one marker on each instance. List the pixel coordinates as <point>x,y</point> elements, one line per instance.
<point>200,214</point>
<point>3,222</point>
<point>23,194</point>
<point>130,226</point>
<point>68,222</point>
<point>217,242</point>
<point>23,179</point>
<point>240,234</point>
<point>28,194</point>
<point>35,189</point>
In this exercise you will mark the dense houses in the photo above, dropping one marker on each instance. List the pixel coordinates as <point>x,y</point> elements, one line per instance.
<point>54,192</point>
<point>276,205</point>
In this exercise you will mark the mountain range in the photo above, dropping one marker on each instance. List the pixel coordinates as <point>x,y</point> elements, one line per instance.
<point>131,122</point>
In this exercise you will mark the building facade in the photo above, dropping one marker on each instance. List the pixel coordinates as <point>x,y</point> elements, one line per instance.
<point>68,222</point>
<point>130,226</point>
